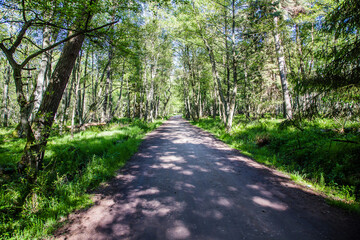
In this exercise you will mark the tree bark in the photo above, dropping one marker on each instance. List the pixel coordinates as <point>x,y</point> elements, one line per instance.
<point>223,103</point>
<point>23,129</point>
<point>118,104</point>
<point>82,106</point>
<point>41,78</point>
<point>6,96</point>
<point>282,70</point>
<point>106,103</point>
<point>232,100</point>
<point>76,80</point>
<point>35,147</point>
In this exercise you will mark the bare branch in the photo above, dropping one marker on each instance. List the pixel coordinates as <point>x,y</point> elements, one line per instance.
<point>45,23</point>
<point>28,39</point>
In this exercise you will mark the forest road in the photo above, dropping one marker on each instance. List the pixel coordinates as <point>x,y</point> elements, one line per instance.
<point>185,184</point>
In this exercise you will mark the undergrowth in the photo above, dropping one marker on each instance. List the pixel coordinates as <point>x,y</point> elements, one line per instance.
<point>319,153</point>
<point>72,168</point>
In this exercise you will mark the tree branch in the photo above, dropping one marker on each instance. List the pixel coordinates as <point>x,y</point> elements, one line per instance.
<point>23,10</point>
<point>20,36</point>
<point>61,42</point>
<point>8,55</point>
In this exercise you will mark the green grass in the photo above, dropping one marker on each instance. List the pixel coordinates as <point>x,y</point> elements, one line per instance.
<point>72,168</point>
<point>318,156</point>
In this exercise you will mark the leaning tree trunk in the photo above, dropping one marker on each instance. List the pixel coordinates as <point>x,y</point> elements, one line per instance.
<point>282,69</point>
<point>35,148</point>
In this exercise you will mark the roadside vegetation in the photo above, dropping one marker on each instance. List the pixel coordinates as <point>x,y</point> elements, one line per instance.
<point>73,64</point>
<point>73,168</point>
<point>321,154</point>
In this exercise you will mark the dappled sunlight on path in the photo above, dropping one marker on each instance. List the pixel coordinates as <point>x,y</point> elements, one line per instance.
<point>184,184</point>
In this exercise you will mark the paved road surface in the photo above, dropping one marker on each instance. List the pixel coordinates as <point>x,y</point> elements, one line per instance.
<point>184,184</point>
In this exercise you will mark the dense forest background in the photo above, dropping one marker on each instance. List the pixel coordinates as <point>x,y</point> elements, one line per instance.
<point>276,79</point>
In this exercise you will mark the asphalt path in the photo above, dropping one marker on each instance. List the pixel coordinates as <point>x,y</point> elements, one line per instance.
<point>185,184</point>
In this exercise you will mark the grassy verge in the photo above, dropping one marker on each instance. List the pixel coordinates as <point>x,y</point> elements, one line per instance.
<point>72,168</point>
<point>320,155</point>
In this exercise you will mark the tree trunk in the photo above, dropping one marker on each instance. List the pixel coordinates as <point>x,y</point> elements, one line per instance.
<point>214,105</point>
<point>6,96</point>
<point>76,79</point>
<point>232,99</point>
<point>150,97</point>
<point>282,70</point>
<point>41,78</point>
<point>223,103</point>
<point>246,96</point>
<point>118,104</point>
<point>128,99</point>
<point>93,90</point>
<point>82,109</point>
<point>110,100</point>
<point>107,91</point>
<point>35,147</point>
<point>167,99</point>
<point>23,129</point>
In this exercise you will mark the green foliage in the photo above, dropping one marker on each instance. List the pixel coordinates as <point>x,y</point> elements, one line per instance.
<point>321,153</point>
<point>339,72</point>
<point>71,168</point>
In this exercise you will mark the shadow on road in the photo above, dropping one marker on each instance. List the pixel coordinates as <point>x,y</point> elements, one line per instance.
<point>184,184</point>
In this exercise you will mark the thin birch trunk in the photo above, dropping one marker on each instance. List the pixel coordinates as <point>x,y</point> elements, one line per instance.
<point>41,78</point>
<point>282,70</point>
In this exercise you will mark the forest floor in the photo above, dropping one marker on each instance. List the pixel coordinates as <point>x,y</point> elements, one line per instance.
<point>185,184</point>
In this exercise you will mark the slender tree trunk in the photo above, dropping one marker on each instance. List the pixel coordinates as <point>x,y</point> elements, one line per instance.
<point>282,70</point>
<point>104,114</point>
<point>312,46</point>
<point>76,77</point>
<point>226,57</point>
<point>150,98</point>
<point>214,105</point>
<point>6,95</point>
<point>93,88</point>
<point>167,99</point>
<point>83,91</point>
<point>128,99</point>
<point>246,96</point>
<point>223,103</point>
<point>117,107</point>
<point>65,107</point>
<point>299,47</point>
<point>232,102</point>
<point>110,99</point>
<point>41,78</point>
<point>141,101</point>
